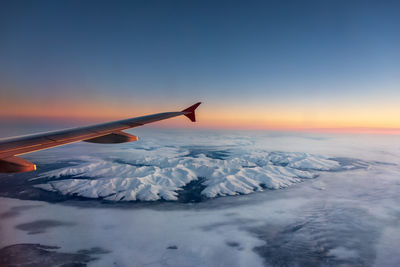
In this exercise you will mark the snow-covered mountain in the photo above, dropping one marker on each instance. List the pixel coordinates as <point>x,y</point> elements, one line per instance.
<point>161,172</point>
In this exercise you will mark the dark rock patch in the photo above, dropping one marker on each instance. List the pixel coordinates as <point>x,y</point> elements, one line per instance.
<point>15,211</point>
<point>94,251</point>
<point>192,191</point>
<point>40,226</point>
<point>210,152</point>
<point>27,255</point>
<point>232,244</point>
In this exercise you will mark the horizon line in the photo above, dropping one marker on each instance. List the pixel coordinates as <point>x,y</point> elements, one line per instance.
<point>54,121</point>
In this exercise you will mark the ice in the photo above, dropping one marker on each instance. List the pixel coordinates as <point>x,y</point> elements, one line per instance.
<point>160,173</point>
<point>344,213</point>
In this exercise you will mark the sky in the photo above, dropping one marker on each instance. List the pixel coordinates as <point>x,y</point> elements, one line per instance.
<point>254,64</point>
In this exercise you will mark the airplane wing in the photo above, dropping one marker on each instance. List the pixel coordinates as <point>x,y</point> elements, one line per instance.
<point>106,133</point>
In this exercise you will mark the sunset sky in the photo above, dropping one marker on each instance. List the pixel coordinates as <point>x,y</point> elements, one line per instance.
<point>254,64</point>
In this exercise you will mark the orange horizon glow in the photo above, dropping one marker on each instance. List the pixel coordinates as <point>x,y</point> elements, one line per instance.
<point>379,118</point>
<point>383,121</point>
<point>309,72</point>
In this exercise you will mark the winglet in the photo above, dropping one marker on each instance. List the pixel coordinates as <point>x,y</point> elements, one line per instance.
<point>189,112</point>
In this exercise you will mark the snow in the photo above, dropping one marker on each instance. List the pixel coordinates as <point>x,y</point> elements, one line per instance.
<point>160,173</point>
<point>347,216</point>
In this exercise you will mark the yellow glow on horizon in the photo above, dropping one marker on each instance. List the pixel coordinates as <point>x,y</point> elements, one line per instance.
<point>305,118</point>
<point>369,118</point>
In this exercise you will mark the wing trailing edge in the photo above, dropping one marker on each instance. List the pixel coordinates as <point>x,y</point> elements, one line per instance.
<point>104,133</point>
<point>113,138</point>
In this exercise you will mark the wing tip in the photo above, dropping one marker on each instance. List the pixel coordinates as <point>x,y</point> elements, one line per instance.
<point>189,112</point>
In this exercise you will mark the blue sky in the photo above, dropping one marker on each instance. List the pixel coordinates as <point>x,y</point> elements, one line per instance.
<point>289,55</point>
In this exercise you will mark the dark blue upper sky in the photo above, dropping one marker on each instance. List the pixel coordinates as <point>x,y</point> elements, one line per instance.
<point>238,53</point>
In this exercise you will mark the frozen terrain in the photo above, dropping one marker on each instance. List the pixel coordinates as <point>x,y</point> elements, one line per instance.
<point>155,177</point>
<point>151,171</point>
<point>336,202</point>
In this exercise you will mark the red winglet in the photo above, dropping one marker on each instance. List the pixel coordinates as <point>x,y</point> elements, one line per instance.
<point>189,112</point>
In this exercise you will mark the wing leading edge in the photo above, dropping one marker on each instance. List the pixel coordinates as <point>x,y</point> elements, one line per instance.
<point>110,132</point>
